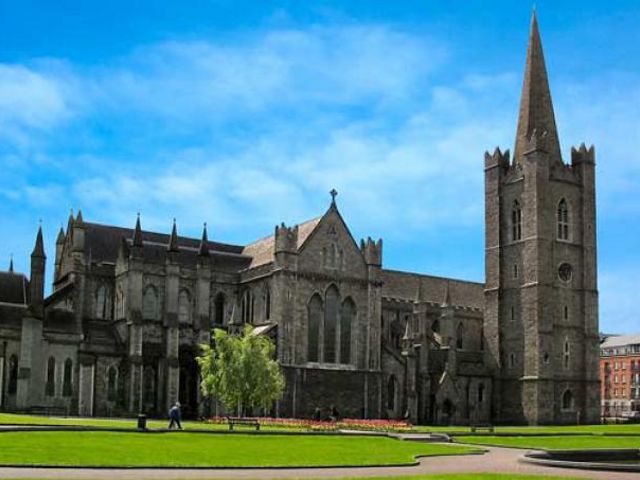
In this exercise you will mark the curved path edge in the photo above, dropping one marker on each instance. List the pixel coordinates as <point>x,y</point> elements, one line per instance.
<point>495,460</point>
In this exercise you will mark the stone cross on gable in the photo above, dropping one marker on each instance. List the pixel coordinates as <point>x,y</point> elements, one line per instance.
<point>334,194</point>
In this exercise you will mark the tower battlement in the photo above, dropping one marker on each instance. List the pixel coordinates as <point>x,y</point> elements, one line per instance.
<point>286,238</point>
<point>497,158</point>
<point>372,251</point>
<point>583,154</point>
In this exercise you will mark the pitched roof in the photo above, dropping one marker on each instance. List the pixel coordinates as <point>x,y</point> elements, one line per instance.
<point>262,251</point>
<point>14,288</point>
<point>403,285</point>
<point>103,241</point>
<point>536,107</point>
<point>621,340</point>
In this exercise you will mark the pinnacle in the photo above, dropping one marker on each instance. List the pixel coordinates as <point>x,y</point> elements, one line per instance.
<point>536,107</point>
<point>204,242</point>
<point>447,296</point>
<point>173,239</point>
<point>60,239</point>
<point>11,264</point>
<point>137,233</point>
<point>38,249</point>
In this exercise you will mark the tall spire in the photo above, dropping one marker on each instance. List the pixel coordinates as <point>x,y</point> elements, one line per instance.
<point>173,239</point>
<point>204,243</point>
<point>38,249</point>
<point>11,264</point>
<point>536,108</point>
<point>137,233</point>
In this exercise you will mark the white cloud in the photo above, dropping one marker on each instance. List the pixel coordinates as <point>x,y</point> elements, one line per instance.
<point>29,98</point>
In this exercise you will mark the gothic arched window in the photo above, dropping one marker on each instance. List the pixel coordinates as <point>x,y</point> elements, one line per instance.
<point>459,336</point>
<point>391,393</point>
<point>149,389</point>
<point>218,309</point>
<point>101,302</point>
<point>331,310</point>
<point>150,303</point>
<point>267,303</point>
<point>435,326</point>
<point>516,222</point>
<point>120,303</point>
<point>13,375</point>
<point>314,314</point>
<point>563,220</point>
<point>347,319</point>
<point>566,353</point>
<point>481,393</point>
<point>67,378</point>
<point>184,307</point>
<point>50,386</point>
<point>112,383</point>
<point>247,307</point>
<point>567,400</point>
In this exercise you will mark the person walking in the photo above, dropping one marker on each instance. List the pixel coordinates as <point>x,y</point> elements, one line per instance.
<point>174,416</point>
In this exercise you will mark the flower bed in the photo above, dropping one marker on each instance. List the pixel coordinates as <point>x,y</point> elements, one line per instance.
<point>377,425</point>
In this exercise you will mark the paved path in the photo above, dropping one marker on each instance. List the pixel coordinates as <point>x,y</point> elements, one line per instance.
<point>496,460</point>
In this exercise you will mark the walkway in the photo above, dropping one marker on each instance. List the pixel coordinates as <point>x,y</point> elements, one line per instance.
<point>496,460</point>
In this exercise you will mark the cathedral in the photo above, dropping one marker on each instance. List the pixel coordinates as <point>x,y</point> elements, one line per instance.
<point>120,331</point>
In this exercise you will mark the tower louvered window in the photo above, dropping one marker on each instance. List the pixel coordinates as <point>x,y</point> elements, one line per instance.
<point>563,220</point>
<point>516,222</point>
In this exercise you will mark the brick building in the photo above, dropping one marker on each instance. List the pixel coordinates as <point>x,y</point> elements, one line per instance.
<point>129,307</point>
<point>620,376</point>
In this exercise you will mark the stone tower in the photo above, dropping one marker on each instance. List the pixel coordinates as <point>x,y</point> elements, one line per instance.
<point>541,299</point>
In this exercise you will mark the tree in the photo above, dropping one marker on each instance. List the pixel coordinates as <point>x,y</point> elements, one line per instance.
<point>240,370</point>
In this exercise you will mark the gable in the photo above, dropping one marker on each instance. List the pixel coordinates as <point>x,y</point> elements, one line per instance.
<point>331,249</point>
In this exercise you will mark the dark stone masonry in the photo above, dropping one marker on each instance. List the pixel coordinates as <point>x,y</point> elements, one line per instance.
<point>129,307</point>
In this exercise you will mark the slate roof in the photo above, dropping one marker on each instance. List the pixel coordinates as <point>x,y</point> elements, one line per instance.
<point>103,242</point>
<point>405,285</point>
<point>262,251</point>
<point>14,288</point>
<point>621,340</point>
<point>11,315</point>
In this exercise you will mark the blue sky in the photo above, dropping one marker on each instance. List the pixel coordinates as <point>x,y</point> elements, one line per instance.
<point>245,114</point>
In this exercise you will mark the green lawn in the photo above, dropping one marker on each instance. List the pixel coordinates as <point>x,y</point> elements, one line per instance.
<point>568,442</point>
<point>192,449</point>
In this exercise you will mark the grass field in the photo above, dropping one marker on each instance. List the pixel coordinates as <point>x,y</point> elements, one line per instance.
<point>19,419</point>
<point>554,443</point>
<point>192,449</point>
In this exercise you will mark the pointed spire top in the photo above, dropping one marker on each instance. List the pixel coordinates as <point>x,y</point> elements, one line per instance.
<point>536,107</point>
<point>38,249</point>
<point>204,242</point>
<point>11,263</point>
<point>60,239</point>
<point>137,233</point>
<point>79,218</point>
<point>173,239</point>
<point>447,295</point>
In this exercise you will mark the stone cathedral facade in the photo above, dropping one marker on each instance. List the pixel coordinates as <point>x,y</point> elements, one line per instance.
<point>120,331</point>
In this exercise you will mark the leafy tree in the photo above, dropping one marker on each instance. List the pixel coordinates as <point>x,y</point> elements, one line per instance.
<point>240,370</point>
